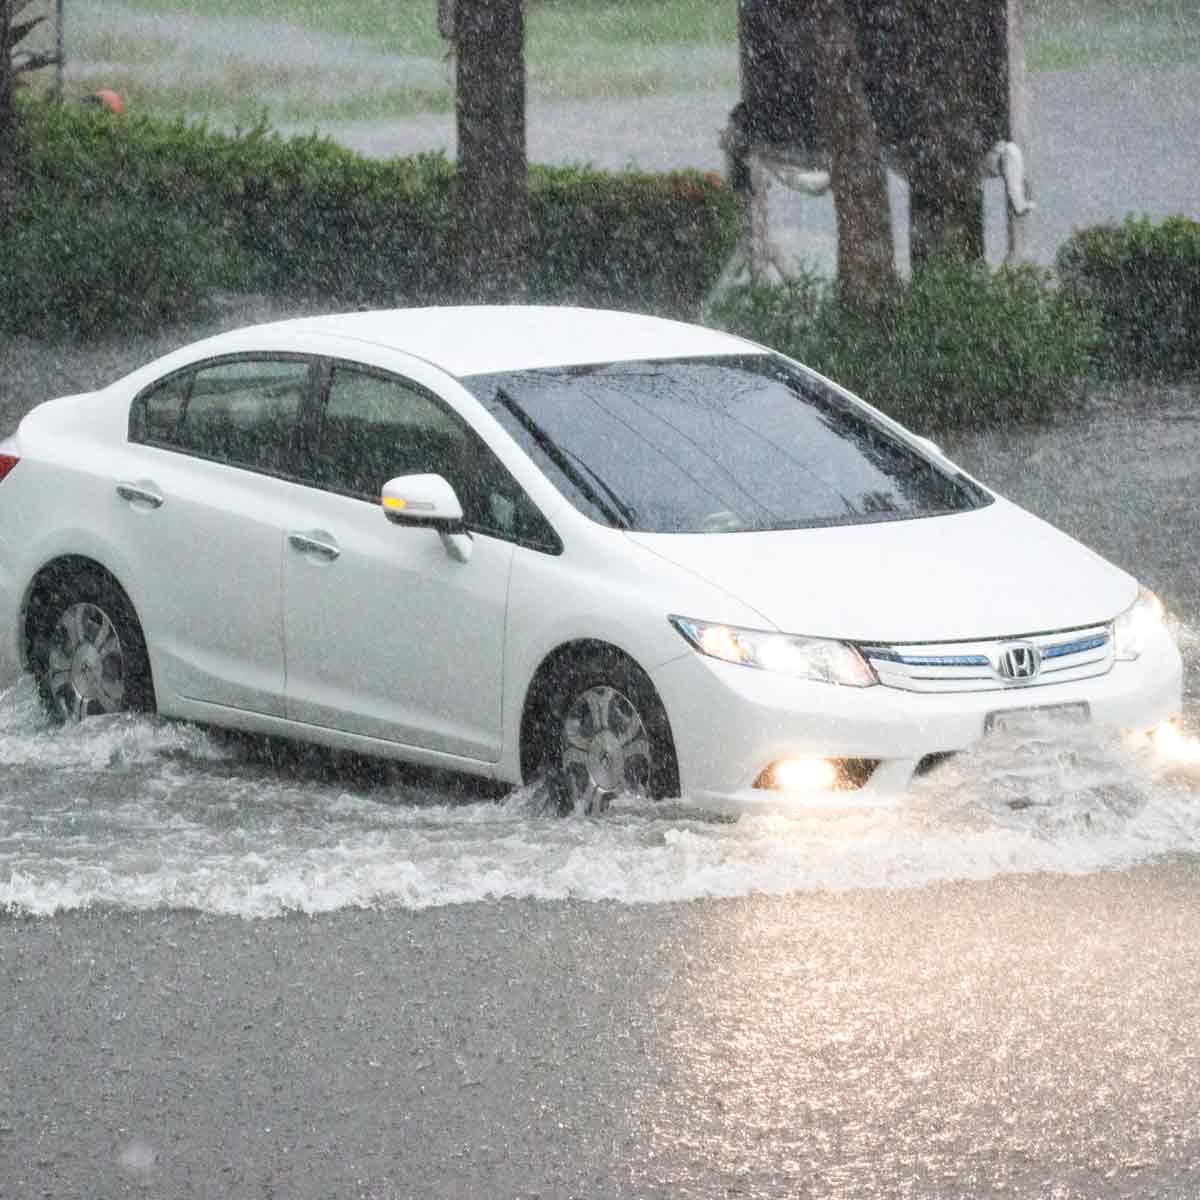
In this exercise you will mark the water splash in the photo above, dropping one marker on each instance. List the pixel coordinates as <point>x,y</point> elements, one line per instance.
<point>143,814</point>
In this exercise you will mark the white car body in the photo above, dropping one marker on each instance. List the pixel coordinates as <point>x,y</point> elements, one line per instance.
<point>277,606</point>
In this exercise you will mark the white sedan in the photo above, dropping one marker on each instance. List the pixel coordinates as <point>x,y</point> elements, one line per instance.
<point>618,553</point>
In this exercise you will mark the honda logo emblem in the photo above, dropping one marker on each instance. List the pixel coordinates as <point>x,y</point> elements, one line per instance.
<point>1020,662</point>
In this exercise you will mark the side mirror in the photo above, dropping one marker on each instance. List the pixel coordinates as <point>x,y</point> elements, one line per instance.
<point>428,502</point>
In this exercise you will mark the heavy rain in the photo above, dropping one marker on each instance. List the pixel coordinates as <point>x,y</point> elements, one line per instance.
<point>240,967</point>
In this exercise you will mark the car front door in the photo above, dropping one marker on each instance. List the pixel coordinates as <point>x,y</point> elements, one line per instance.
<point>386,634</point>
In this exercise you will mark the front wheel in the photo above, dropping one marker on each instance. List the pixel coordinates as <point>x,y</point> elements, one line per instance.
<point>89,654</point>
<point>603,732</point>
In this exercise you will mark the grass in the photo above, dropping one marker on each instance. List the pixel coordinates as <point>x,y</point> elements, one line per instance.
<point>556,27</point>
<point>389,61</point>
<point>1079,33</point>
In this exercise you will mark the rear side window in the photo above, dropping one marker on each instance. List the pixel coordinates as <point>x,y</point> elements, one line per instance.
<point>162,410</point>
<point>244,412</point>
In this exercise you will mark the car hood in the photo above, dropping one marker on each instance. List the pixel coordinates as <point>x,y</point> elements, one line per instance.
<point>995,571</point>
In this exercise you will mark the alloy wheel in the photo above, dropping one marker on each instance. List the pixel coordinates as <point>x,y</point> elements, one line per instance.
<point>606,750</point>
<point>86,664</point>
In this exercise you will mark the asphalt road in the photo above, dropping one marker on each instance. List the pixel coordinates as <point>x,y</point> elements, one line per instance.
<point>1035,1036</point>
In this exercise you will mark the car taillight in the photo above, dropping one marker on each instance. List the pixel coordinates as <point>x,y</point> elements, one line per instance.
<point>7,462</point>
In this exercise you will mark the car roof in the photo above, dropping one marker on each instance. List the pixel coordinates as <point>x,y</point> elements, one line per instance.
<point>480,339</point>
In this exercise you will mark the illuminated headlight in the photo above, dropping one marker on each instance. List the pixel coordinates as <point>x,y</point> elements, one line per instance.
<point>807,658</point>
<point>1136,623</point>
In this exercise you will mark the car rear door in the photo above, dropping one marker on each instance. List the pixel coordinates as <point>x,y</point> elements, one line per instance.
<point>204,514</point>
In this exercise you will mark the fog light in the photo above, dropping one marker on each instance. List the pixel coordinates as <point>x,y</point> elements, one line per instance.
<point>799,775</point>
<point>816,774</point>
<point>1174,746</point>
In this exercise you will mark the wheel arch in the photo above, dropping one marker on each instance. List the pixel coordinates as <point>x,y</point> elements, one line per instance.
<point>53,575</point>
<point>565,655</point>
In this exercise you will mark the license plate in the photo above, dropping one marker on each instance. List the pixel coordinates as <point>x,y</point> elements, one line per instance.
<point>1007,719</point>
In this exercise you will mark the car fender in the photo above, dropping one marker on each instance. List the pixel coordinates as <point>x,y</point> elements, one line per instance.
<point>611,591</point>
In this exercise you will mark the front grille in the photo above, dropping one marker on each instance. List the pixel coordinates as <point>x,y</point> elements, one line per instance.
<point>1063,657</point>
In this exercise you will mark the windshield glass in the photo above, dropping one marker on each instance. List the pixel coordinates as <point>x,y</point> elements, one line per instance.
<point>716,445</point>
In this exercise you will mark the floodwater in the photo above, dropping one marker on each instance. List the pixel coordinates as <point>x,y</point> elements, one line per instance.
<point>143,814</point>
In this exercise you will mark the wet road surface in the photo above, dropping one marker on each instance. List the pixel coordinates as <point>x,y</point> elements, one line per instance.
<point>231,973</point>
<point>1034,1036</point>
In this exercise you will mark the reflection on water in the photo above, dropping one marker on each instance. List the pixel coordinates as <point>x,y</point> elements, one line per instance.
<point>140,814</point>
<point>1015,1040</point>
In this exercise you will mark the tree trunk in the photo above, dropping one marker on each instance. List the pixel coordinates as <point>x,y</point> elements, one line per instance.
<point>866,262</point>
<point>493,195</point>
<point>960,75</point>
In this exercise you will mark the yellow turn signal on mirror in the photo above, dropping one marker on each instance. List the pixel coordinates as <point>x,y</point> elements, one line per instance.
<point>394,502</point>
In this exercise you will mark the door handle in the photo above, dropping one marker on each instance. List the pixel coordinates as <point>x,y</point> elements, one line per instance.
<point>307,544</point>
<point>139,494</point>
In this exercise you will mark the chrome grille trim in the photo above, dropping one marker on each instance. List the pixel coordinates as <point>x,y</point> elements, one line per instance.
<point>1065,656</point>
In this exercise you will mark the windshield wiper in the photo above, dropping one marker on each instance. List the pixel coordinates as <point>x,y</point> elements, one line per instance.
<point>617,512</point>
<point>627,513</point>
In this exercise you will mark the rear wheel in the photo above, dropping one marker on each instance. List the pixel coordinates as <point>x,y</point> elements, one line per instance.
<point>602,732</point>
<point>89,654</point>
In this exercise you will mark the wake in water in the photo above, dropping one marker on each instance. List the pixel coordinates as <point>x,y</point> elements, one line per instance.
<point>142,814</point>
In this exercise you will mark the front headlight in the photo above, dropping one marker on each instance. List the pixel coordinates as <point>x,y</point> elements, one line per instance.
<point>807,658</point>
<point>1135,624</point>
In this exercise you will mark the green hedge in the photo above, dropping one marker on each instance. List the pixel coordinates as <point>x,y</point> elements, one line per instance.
<point>92,271</point>
<point>1143,282</point>
<point>136,208</point>
<point>954,348</point>
<point>653,242</point>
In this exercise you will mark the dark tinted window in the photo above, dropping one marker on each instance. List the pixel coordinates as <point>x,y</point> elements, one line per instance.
<point>244,412</point>
<point>715,445</point>
<point>376,427</point>
<point>162,410</point>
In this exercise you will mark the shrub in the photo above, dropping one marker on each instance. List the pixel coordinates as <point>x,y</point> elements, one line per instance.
<point>1143,281</point>
<point>306,217</point>
<point>954,348</point>
<point>92,270</point>
<point>631,240</point>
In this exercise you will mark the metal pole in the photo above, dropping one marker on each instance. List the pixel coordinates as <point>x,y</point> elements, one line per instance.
<point>58,47</point>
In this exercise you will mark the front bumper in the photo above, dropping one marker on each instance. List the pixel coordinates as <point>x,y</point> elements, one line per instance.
<point>730,722</point>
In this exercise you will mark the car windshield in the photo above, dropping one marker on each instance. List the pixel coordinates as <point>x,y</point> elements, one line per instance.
<point>716,445</point>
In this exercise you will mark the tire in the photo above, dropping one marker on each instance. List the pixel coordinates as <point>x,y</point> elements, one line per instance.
<point>601,731</point>
<point>89,654</point>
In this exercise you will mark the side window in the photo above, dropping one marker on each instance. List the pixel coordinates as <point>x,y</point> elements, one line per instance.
<point>376,427</point>
<point>245,412</point>
<point>162,410</point>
